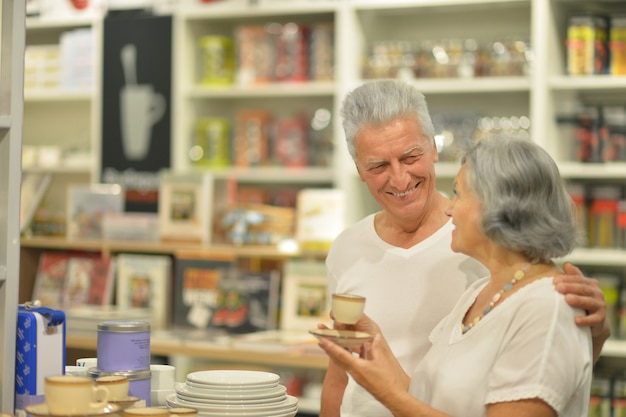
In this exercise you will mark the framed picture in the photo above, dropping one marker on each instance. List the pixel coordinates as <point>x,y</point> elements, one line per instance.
<point>320,217</point>
<point>89,281</point>
<point>305,295</point>
<point>88,205</point>
<point>187,205</point>
<point>144,281</point>
<point>196,291</point>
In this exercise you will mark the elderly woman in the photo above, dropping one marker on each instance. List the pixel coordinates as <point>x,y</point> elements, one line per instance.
<point>510,346</point>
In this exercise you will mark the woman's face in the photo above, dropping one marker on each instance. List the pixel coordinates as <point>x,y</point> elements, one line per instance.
<point>466,212</point>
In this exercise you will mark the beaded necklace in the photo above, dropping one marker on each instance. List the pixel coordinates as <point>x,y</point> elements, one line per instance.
<point>518,276</point>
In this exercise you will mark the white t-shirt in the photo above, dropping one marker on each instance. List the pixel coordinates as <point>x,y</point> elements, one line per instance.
<point>527,347</point>
<point>408,292</point>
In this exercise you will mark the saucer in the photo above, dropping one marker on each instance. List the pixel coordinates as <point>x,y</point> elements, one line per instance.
<point>346,338</point>
<point>41,410</point>
<point>125,403</point>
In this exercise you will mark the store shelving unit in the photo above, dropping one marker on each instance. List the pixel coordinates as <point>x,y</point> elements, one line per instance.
<point>194,100</point>
<point>66,117</point>
<point>11,107</point>
<point>542,94</point>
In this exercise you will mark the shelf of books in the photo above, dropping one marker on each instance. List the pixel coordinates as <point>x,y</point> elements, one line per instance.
<point>219,303</point>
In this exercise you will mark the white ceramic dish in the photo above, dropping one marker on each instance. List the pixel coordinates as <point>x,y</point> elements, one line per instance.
<point>286,414</point>
<point>231,387</point>
<point>347,338</point>
<point>229,394</point>
<point>243,401</point>
<point>41,410</point>
<point>289,405</point>
<point>233,378</point>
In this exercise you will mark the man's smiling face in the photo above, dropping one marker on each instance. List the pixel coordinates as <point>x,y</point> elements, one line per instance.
<point>397,163</point>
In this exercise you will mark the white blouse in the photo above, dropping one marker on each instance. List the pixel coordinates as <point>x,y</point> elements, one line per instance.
<point>527,347</point>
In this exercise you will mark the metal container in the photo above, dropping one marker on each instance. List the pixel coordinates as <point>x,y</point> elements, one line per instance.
<point>123,346</point>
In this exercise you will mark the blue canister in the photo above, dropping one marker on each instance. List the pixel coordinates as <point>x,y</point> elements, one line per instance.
<point>123,346</point>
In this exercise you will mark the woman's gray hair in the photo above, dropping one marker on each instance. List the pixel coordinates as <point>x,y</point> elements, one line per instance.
<point>526,205</point>
<point>379,102</point>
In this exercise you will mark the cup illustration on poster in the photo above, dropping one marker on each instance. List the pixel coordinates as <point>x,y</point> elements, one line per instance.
<point>140,108</point>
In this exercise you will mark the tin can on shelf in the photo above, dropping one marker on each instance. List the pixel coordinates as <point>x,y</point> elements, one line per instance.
<point>603,216</point>
<point>123,346</point>
<point>211,145</point>
<point>617,45</point>
<point>587,45</point>
<point>217,60</point>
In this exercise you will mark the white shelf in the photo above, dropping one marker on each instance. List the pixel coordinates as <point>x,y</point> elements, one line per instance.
<point>447,169</point>
<point>282,175</point>
<point>59,169</point>
<point>303,89</point>
<point>58,22</point>
<point>237,10</point>
<point>58,94</point>
<point>412,4</point>
<point>594,256</point>
<point>591,82</point>
<point>500,85</point>
<point>614,348</point>
<point>5,122</point>
<point>609,170</point>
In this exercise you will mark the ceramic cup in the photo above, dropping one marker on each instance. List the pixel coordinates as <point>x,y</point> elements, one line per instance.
<point>76,370</point>
<point>158,397</point>
<point>87,362</point>
<point>145,412</point>
<point>117,385</point>
<point>162,377</point>
<point>347,308</point>
<point>71,394</point>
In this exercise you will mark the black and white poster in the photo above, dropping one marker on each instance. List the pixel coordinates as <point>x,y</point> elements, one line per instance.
<point>136,105</point>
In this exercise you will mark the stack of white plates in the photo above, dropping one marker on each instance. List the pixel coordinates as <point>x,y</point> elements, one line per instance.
<point>234,393</point>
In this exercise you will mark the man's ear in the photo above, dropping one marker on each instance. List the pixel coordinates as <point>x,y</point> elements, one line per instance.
<point>435,153</point>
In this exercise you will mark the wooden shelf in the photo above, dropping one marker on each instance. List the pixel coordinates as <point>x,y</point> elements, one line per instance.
<point>163,247</point>
<point>211,351</point>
